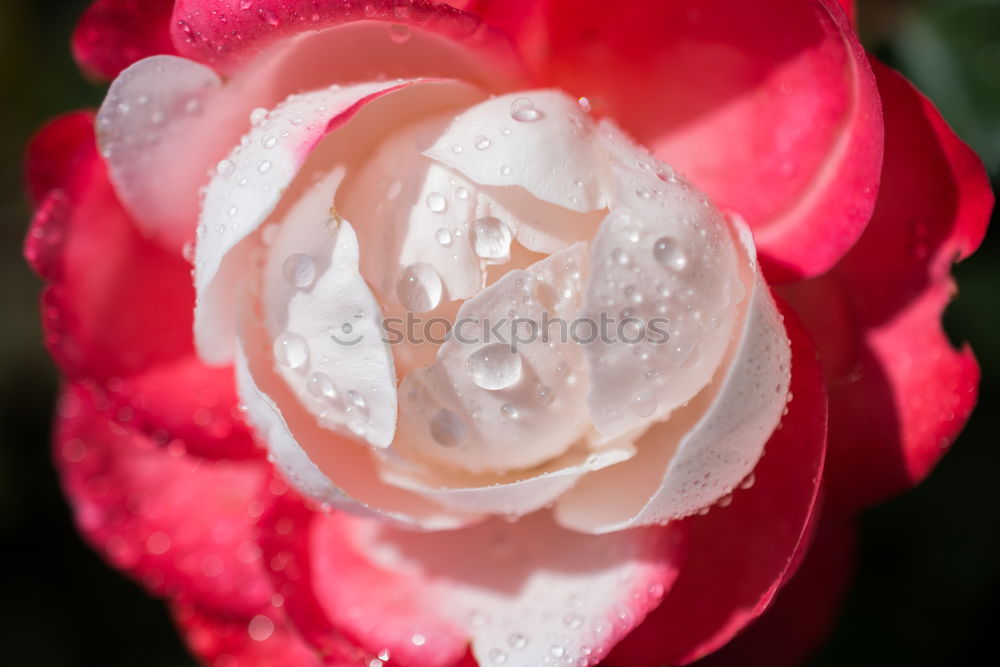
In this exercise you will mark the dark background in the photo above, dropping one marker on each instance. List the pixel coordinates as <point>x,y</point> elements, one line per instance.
<point>928,587</point>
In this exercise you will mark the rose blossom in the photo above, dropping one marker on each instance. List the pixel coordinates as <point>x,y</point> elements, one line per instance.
<point>318,170</point>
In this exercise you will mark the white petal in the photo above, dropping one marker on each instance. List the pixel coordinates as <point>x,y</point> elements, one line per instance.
<point>256,175</point>
<point>328,468</point>
<point>150,108</point>
<point>315,299</point>
<point>553,155</point>
<point>513,494</point>
<point>664,270</point>
<point>706,448</point>
<point>510,410</point>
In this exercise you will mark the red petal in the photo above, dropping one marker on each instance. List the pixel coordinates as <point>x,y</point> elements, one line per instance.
<point>113,34</point>
<point>740,555</point>
<point>223,34</point>
<point>350,582</point>
<point>118,309</point>
<point>266,639</point>
<point>119,301</point>
<point>184,527</point>
<point>768,106</point>
<point>804,611</point>
<point>899,393</point>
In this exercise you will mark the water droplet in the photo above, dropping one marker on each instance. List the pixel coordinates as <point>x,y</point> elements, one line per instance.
<point>224,168</point>
<point>399,34</point>
<point>523,110</point>
<point>447,428</point>
<point>584,104</point>
<point>188,251</point>
<point>491,238</point>
<point>573,621</point>
<point>232,211</point>
<point>260,628</point>
<point>264,166</point>
<point>419,288</point>
<point>482,143</point>
<point>620,256</point>
<point>443,236</point>
<point>258,116</point>
<point>299,270</point>
<point>643,403</point>
<point>462,192</point>
<point>517,641</point>
<point>557,651</point>
<point>290,350</point>
<point>418,640</point>
<point>510,411</point>
<point>436,202</point>
<point>494,366</point>
<point>667,254</point>
<point>269,141</point>
<point>321,386</point>
<point>498,657</point>
<point>643,193</point>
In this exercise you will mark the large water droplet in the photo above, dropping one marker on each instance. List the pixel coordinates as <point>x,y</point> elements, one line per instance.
<point>447,428</point>
<point>299,270</point>
<point>667,253</point>
<point>482,143</point>
<point>494,366</point>
<point>419,288</point>
<point>436,202</point>
<point>290,350</point>
<point>491,238</point>
<point>523,110</point>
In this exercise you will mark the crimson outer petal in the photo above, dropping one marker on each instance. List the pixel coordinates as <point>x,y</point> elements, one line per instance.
<point>225,35</point>
<point>739,556</point>
<point>769,106</point>
<point>113,34</point>
<point>804,610</point>
<point>899,392</point>
<point>117,309</point>
<point>185,527</point>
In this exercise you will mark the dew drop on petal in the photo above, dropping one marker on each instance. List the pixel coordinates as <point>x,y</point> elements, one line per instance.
<point>482,143</point>
<point>290,350</point>
<point>491,238</point>
<point>399,33</point>
<point>321,386</point>
<point>299,270</point>
<point>419,288</point>
<point>494,367</point>
<point>436,202</point>
<point>260,628</point>
<point>443,236</point>
<point>447,428</point>
<point>668,254</point>
<point>523,110</point>
<point>643,403</point>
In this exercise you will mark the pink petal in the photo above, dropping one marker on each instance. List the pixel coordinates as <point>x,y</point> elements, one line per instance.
<point>900,393</point>
<point>266,639</point>
<point>404,38</point>
<point>740,554</point>
<point>99,315</point>
<point>769,106</point>
<point>113,34</point>
<point>182,526</point>
<point>521,592</point>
